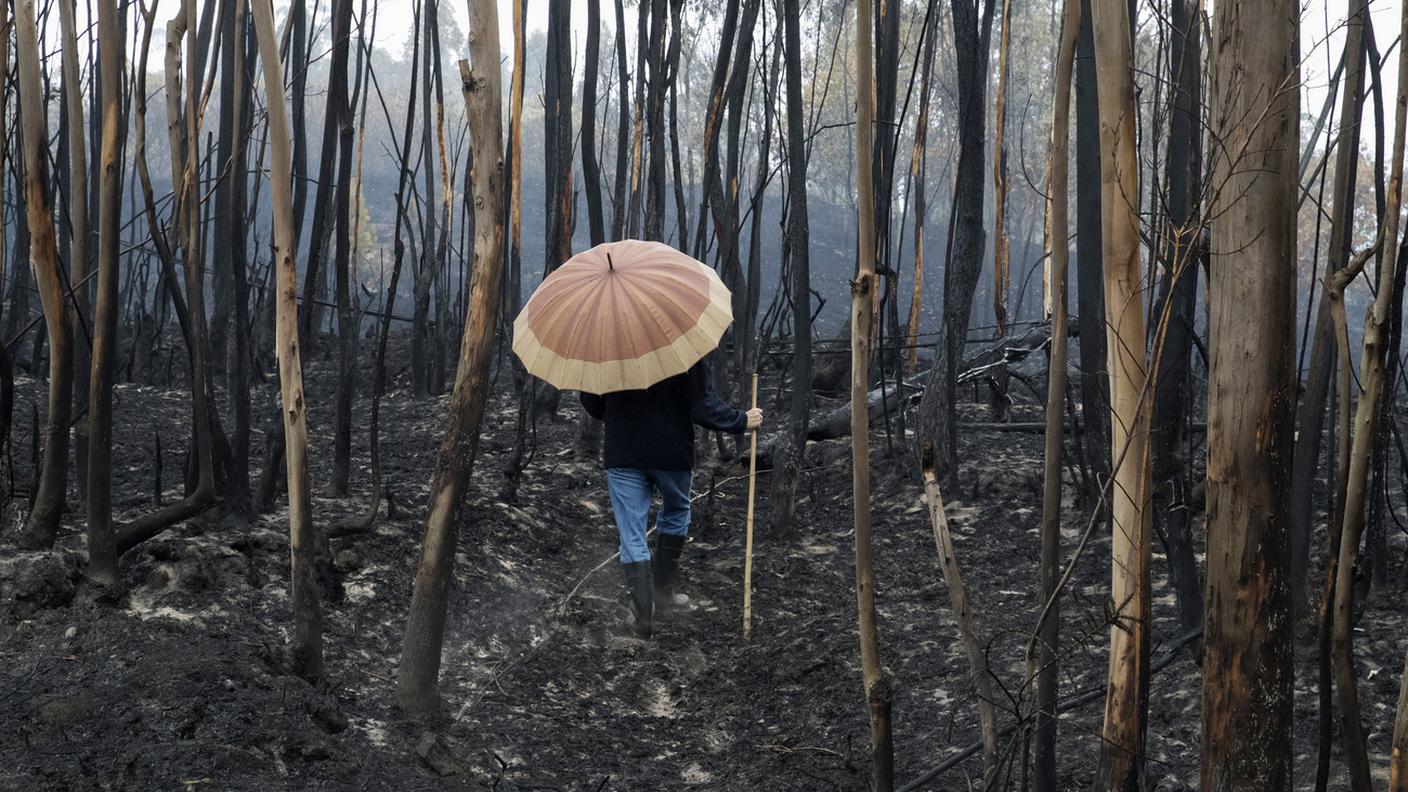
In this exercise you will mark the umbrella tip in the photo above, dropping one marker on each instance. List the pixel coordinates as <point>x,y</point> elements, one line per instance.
<point>609,265</point>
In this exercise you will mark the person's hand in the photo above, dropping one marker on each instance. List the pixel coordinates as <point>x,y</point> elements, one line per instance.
<point>755,419</point>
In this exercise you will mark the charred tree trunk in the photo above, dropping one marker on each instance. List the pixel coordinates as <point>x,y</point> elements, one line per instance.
<point>417,680</point>
<point>1371,376</point>
<point>938,422</point>
<point>307,643</point>
<point>102,542</point>
<point>1311,414</point>
<point>47,509</point>
<point>1178,297</point>
<point>78,238</point>
<point>797,243</point>
<point>920,175</point>
<point>1090,278</point>
<point>878,684</point>
<point>1043,663</point>
<point>589,433</point>
<point>1247,688</point>
<point>342,250</point>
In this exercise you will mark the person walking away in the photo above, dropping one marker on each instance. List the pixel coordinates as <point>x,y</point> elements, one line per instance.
<point>649,447</point>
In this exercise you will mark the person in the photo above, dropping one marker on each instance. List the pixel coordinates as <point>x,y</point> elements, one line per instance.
<point>649,446</point>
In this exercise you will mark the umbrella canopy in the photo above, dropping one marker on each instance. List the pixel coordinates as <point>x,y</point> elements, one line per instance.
<point>621,316</point>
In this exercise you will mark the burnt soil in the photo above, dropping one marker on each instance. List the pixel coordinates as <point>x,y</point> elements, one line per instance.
<point>176,682</point>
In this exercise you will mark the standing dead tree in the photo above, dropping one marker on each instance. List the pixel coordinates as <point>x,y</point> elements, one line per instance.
<point>877,681</point>
<point>1126,700</point>
<point>102,543</point>
<point>937,421</point>
<point>1311,415</point>
<point>786,471</point>
<point>48,505</point>
<point>417,683</point>
<point>1249,656</point>
<point>1371,376</point>
<point>1042,663</point>
<point>1178,295</point>
<point>306,651</point>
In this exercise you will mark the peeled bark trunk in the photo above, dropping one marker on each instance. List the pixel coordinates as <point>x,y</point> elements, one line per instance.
<point>1371,375</point>
<point>1126,699</point>
<point>307,641</point>
<point>877,681</point>
<point>999,177</point>
<point>48,505</point>
<point>1249,657</point>
<point>417,679</point>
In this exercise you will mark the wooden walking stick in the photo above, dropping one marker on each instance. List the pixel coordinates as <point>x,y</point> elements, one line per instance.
<point>748,542</point>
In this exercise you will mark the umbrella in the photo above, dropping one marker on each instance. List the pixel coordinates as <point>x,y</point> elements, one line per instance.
<point>621,316</point>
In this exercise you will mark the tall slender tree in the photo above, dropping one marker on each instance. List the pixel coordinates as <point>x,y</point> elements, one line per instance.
<point>1043,663</point>
<point>417,681</point>
<point>48,505</point>
<point>798,246</point>
<point>1247,679</point>
<point>938,421</point>
<point>877,682</point>
<point>102,543</point>
<point>307,644</point>
<point>1126,699</point>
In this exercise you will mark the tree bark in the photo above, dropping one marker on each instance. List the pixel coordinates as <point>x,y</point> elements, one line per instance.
<point>79,227</point>
<point>877,680</point>
<point>1126,700</point>
<point>1090,279</point>
<point>47,509</point>
<point>999,177</point>
<point>307,642</point>
<point>417,679</point>
<point>1177,304</point>
<point>341,117</point>
<point>1311,415</point>
<point>102,542</point>
<point>1044,662</point>
<point>783,503</point>
<point>1249,653</point>
<point>938,421</point>
<point>1370,384</point>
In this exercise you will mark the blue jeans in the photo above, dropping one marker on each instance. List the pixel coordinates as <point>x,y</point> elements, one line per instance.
<point>631,490</point>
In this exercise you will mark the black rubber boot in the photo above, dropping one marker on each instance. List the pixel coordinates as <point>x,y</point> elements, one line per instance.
<point>668,548</point>
<point>640,591</point>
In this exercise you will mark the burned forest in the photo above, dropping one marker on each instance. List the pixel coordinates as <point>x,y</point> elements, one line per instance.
<point>892,395</point>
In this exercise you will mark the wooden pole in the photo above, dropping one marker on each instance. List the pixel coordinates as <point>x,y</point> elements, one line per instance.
<point>748,542</point>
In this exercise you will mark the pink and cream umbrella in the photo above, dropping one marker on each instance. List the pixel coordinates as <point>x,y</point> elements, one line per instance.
<point>621,316</point>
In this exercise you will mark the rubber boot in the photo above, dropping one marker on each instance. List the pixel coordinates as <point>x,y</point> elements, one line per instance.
<point>640,590</point>
<point>668,548</point>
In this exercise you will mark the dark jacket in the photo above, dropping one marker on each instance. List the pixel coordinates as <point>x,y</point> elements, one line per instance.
<point>654,428</point>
